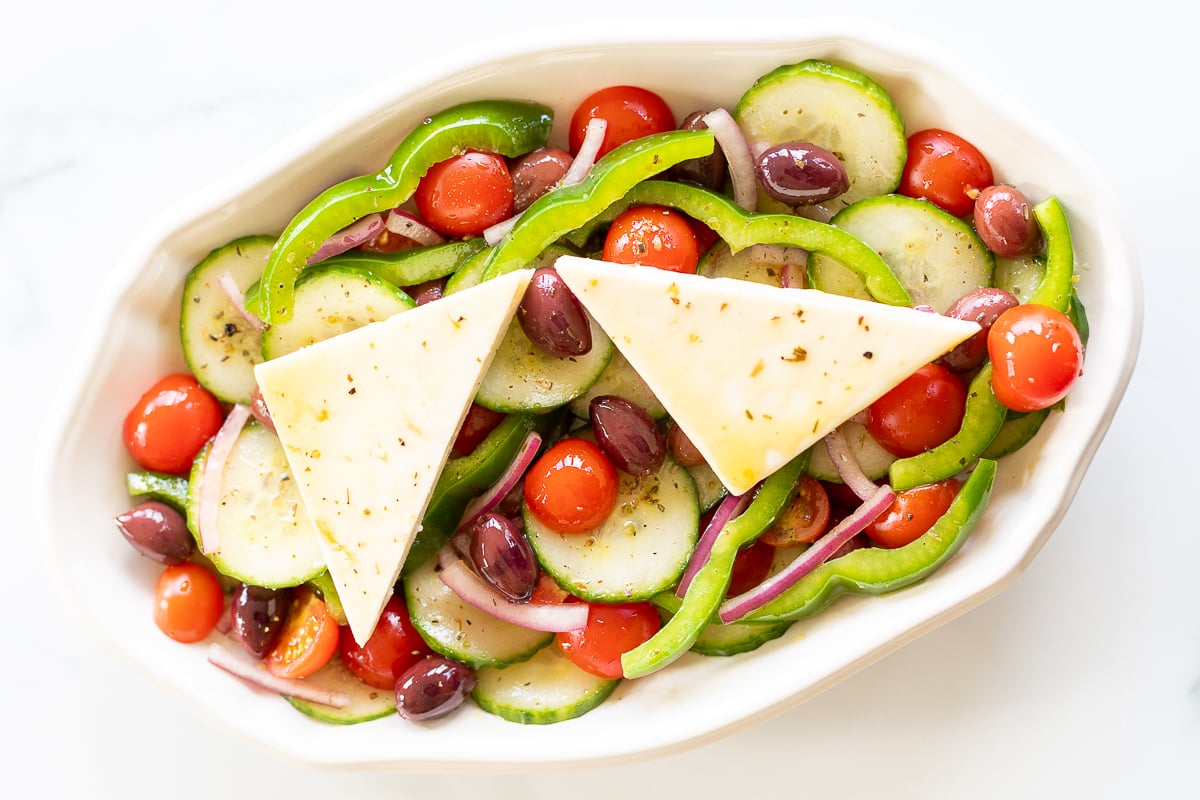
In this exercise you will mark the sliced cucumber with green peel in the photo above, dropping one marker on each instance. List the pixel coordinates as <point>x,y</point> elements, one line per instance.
<point>366,702</point>
<point>709,488</point>
<point>737,637</point>
<point>743,265</point>
<point>871,456</point>
<point>547,688</point>
<point>937,257</point>
<point>620,379</point>
<point>1019,276</point>
<point>470,272</point>
<point>839,109</point>
<point>219,345</point>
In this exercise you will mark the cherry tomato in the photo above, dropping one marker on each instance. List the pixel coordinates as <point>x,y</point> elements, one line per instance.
<point>611,631</point>
<point>946,170</point>
<point>394,646</point>
<point>923,411</point>
<point>466,194</point>
<point>478,423</point>
<point>750,567</point>
<point>706,237</point>
<point>572,488</point>
<point>631,112</point>
<point>652,236</point>
<point>1036,356</point>
<point>308,640</point>
<point>804,519</point>
<point>387,242</point>
<point>170,423</point>
<point>188,602</point>
<point>912,513</point>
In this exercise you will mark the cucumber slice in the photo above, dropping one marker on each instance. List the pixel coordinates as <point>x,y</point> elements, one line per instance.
<point>366,702</point>
<point>463,632</point>
<point>837,108</point>
<point>619,378</point>
<point>871,456</point>
<point>547,688</point>
<point>220,347</point>
<point>639,551</point>
<point>330,300</point>
<point>709,488</point>
<point>1019,276</point>
<point>719,262</point>
<point>937,257</point>
<point>265,535</point>
<point>737,637</point>
<point>470,272</point>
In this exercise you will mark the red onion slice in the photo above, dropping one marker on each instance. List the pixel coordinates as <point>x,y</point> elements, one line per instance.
<point>255,673</point>
<point>737,152</point>
<point>349,237</point>
<point>405,224</point>
<point>589,148</point>
<point>732,506</point>
<point>475,591</point>
<point>494,233</point>
<point>735,608</point>
<point>499,490</point>
<point>209,498</point>
<point>238,298</point>
<point>847,466</point>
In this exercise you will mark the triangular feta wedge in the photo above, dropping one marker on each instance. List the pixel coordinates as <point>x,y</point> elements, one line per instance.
<point>367,419</point>
<point>754,374</point>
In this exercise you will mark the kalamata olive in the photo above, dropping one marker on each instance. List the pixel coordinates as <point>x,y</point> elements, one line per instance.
<point>627,434</point>
<point>799,173</point>
<point>536,173</point>
<point>1005,222</point>
<point>428,291</point>
<point>982,306</point>
<point>157,531</point>
<point>552,316</point>
<point>708,171</point>
<point>502,555</point>
<point>258,615</point>
<point>681,447</point>
<point>432,687</point>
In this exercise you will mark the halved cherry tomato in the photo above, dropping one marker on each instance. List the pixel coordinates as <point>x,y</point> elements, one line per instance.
<point>170,423</point>
<point>394,646</point>
<point>478,423</point>
<point>912,513</point>
<point>923,411</point>
<point>1036,356</point>
<point>188,602</point>
<point>750,567</point>
<point>611,631</point>
<point>652,236</point>
<point>466,194</point>
<point>630,111</point>
<point>572,488</point>
<point>946,170</point>
<point>308,640</point>
<point>804,519</point>
<point>706,237</point>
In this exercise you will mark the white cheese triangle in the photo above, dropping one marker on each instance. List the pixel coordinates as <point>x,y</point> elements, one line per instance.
<point>754,374</point>
<point>367,419</point>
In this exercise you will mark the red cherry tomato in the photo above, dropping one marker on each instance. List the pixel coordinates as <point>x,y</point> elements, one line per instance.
<point>946,170</point>
<point>188,602</point>
<point>308,640</point>
<point>1036,356</point>
<point>750,567</point>
<point>387,242</point>
<point>652,236</point>
<point>478,423</point>
<point>631,112</point>
<point>170,423</point>
<point>912,513</point>
<point>611,631</point>
<point>706,237</point>
<point>804,519</point>
<point>466,194</point>
<point>572,488</point>
<point>923,411</point>
<point>394,646</point>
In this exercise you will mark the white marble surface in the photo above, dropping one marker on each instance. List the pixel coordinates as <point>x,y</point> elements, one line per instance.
<point>1082,679</point>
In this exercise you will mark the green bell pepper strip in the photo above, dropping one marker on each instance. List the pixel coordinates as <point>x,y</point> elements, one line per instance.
<point>707,589</point>
<point>169,489</point>
<point>741,229</point>
<point>1058,281</point>
<point>505,127</point>
<point>557,213</point>
<point>874,570</point>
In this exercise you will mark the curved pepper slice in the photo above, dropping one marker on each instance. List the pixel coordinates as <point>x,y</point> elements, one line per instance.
<point>506,127</point>
<point>873,570</point>
<point>1058,280</point>
<point>708,587</point>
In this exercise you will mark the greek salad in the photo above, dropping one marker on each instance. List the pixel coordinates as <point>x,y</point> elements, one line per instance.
<point>513,420</point>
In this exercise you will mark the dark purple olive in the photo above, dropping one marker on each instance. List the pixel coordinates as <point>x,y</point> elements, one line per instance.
<point>707,171</point>
<point>982,306</point>
<point>257,615</point>
<point>552,317</point>
<point>681,447</point>
<point>627,434</point>
<point>502,555</point>
<point>433,687</point>
<point>536,173</point>
<point>428,291</point>
<point>800,173</point>
<point>157,531</point>
<point>1005,222</point>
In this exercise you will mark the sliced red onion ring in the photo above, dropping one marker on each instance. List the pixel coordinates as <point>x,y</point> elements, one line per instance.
<point>405,224</point>
<point>589,148</point>
<point>927,309</point>
<point>735,608</point>
<point>847,466</point>
<point>209,499</point>
<point>349,237</point>
<point>732,506</point>
<point>254,673</point>
<point>499,490</point>
<point>493,234</point>
<point>238,298</point>
<point>737,152</point>
<point>475,591</point>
